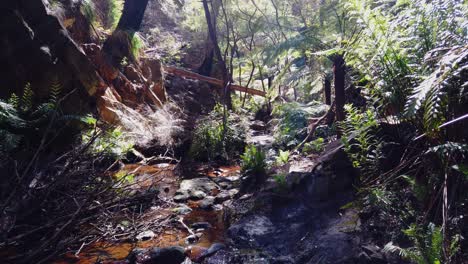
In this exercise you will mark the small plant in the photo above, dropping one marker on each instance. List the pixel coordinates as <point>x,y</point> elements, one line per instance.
<point>283,157</point>
<point>428,245</point>
<point>360,140</point>
<point>280,179</point>
<point>124,176</point>
<point>112,142</point>
<point>212,141</point>
<point>315,146</point>
<point>253,161</point>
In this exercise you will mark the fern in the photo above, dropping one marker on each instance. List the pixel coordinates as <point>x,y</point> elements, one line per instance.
<point>14,101</point>
<point>55,90</point>
<point>253,161</point>
<point>27,98</point>
<point>428,245</point>
<point>431,95</point>
<point>359,139</point>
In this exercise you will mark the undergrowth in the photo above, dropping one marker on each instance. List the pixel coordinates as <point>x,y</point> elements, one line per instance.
<point>211,141</point>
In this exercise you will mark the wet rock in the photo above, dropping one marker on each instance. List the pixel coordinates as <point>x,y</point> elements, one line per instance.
<point>222,196</point>
<point>170,255</point>
<point>334,175</point>
<point>138,256</point>
<point>201,225</point>
<point>218,207</point>
<point>212,250</point>
<point>225,184</point>
<point>181,197</point>
<point>197,195</point>
<point>183,210</point>
<point>372,254</point>
<point>233,192</point>
<point>187,261</point>
<point>191,239</point>
<point>233,178</point>
<point>195,189</point>
<point>207,203</point>
<point>146,235</point>
<point>255,228</point>
<point>283,260</point>
<point>195,252</point>
<point>226,195</point>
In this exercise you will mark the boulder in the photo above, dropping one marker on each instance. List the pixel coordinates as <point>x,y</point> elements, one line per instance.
<point>169,255</point>
<point>256,228</point>
<point>195,189</point>
<point>207,203</point>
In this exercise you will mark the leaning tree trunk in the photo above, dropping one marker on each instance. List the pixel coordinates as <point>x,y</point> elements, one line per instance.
<point>339,75</point>
<point>219,55</point>
<point>118,45</point>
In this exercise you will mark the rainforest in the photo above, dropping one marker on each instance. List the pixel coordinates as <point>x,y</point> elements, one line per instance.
<point>234,131</point>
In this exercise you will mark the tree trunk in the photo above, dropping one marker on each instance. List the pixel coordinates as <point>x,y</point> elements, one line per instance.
<point>327,85</point>
<point>219,56</point>
<point>118,45</point>
<point>339,74</point>
<point>132,15</point>
<point>207,67</point>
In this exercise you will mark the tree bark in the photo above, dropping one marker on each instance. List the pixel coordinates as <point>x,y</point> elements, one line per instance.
<point>327,86</point>
<point>339,75</point>
<point>207,67</point>
<point>132,15</point>
<point>219,55</point>
<point>118,45</point>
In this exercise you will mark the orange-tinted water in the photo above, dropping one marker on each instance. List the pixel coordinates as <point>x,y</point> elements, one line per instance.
<point>164,177</point>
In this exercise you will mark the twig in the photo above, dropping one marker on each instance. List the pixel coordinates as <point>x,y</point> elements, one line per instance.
<point>181,220</point>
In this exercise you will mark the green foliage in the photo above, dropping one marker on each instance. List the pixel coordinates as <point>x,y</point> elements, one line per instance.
<point>283,157</point>
<point>280,179</point>
<point>445,85</point>
<point>316,146</point>
<point>114,13</point>
<point>253,161</point>
<point>137,45</point>
<point>360,141</point>
<point>112,142</point>
<point>88,9</point>
<point>27,98</point>
<point>428,247</point>
<point>55,91</point>
<point>292,124</point>
<point>124,176</point>
<point>211,141</point>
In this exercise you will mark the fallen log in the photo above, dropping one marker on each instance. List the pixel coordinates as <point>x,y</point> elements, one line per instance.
<point>213,81</point>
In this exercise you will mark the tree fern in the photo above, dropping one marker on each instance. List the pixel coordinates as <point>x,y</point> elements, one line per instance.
<point>430,96</point>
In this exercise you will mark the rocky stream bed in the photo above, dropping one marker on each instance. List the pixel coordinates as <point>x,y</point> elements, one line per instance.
<point>199,215</point>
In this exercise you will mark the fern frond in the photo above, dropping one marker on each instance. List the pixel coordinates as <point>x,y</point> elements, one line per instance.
<point>431,95</point>
<point>55,90</point>
<point>27,98</point>
<point>14,101</point>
